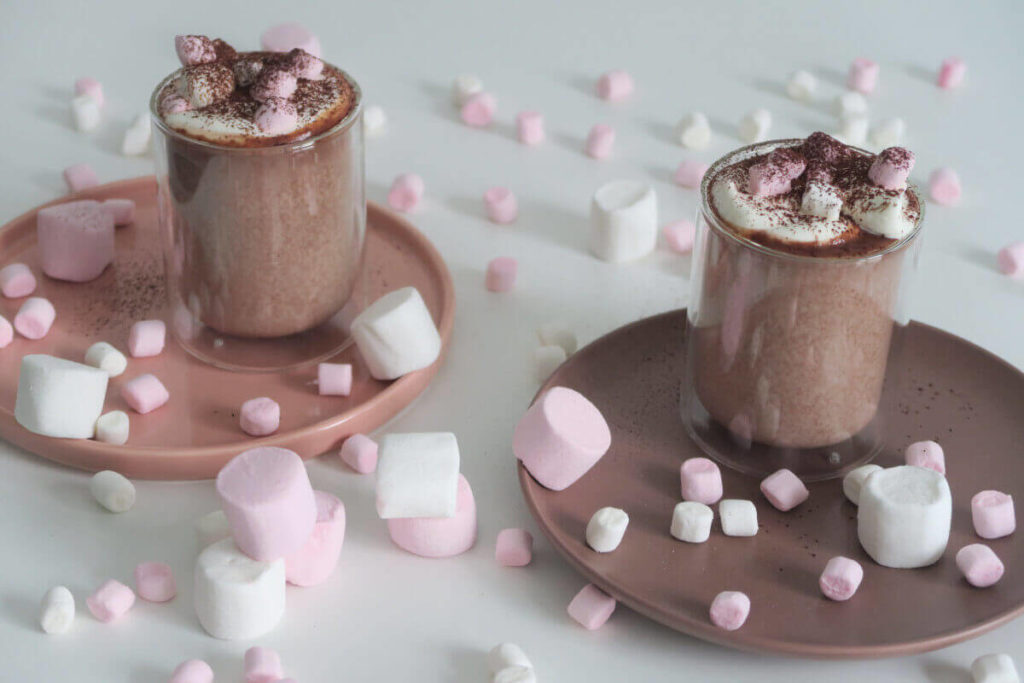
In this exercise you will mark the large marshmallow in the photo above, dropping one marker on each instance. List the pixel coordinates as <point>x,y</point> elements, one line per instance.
<point>314,562</point>
<point>112,490</point>
<point>106,357</point>
<point>76,240</point>
<point>606,528</point>
<point>417,475</point>
<point>58,610</point>
<point>691,521</point>
<point>854,481</point>
<point>439,536</point>
<point>904,516</point>
<point>396,334</point>
<point>58,397</point>
<point>624,221</point>
<point>237,597</point>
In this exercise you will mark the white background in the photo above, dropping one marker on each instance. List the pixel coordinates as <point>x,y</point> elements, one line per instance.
<point>387,616</point>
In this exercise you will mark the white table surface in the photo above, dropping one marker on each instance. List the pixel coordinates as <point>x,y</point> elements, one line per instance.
<point>388,616</point>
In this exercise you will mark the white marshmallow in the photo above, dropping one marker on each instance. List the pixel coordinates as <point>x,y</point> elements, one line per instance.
<point>396,334</point>
<point>801,86</point>
<point>58,397</point>
<point>854,481</point>
<point>557,333</point>
<point>113,427</point>
<point>58,610</point>
<point>112,490</point>
<point>85,111</point>
<point>515,674</point>
<point>464,87</point>
<point>850,103</point>
<point>211,528</point>
<point>822,200</point>
<point>107,358</point>
<point>237,597</point>
<point>606,528</point>
<point>375,121</point>
<point>417,475</point>
<point>136,138</point>
<point>853,129</point>
<point>738,517</point>
<point>888,133</point>
<point>994,668</point>
<point>904,516</point>
<point>755,125</point>
<point>624,221</point>
<point>693,131</point>
<point>691,521</point>
<point>505,655</point>
<point>546,360</point>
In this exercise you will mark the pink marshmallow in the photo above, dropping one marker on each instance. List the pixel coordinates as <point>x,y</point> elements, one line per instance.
<point>334,379</point>
<point>439,536</point>
<point>926,454</point>
<point>501,274</point>
<point>35,318</point>
<point>993,515</point>
<point>591,607</point>
<point>841,578</point>
<point>277,116</point>
<point>194,50</point>
<point>154,582</point>
<point>951,73</point>
<point>1010,260</point>
<point>268,500</point>
<point>891,167</point>
<point>406,192</point>
<point>17,280</point>
<point>80,177</point>
<point>91,87</point>
<point>775,174</point>
<point>561,437</point>
<point>76,240</point>
<point>501,205</point>
<point>260,416</point>
<point>980,565</point>
<point>192,671</point>
<point>478,111</point>
<point>274,83</point>
<point>286,37</point>
<point>360,453</point>
<point>262,665</point>
<point>615,86</point>
<point>530,127</point>
<point>700,481</point>
<point>6,332</point>
<point>314,562</point>
<point>305,65</point>
<point>784,490</point>
<point>863,76</point>
<point>123,210</point>
<point>729,610</point>
<point>174,104</point>
<point>600,141</point>
<point>690,173</point>
<point>944,187</point>
<point>110,601</point>
<point>145,393</point>
<point>679,235</point>
<point>146,338</point>
<point>514,548</point>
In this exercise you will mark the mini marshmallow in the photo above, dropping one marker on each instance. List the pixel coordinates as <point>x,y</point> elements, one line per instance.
<point>691,521</point>
<point>926,454</point>
<point>515,674</point>
<point>775,174</point>
<point>505,655</point>
<point>863,76</point>
<point>375,121</point>
<point>80,177</point>
<point>406,192</point>
<point>334,379</point>
<point>17,280</point>
<point>6,332</point>
<point>853,129</point>
<point>437,537</point>
<point>237,597</point>
<point>107,358</point>
<point>729,610</point>
<point>854,481</point>
<point>738,517</point>
<point>57,611</point>
<point>891,167</point>
<point>1010,259</point>
<point>396,334</point>
<point>123,210</point>
<point>841,578</point>
<point>904,516</point>
<point>600,141</point>
<point>146,338</point>
<point>204,84</point>
<point>801,86</point>
<point>113,428</point>
<point>888,133</point>
<point>478,111</point>
<point>624,221</point>
<point>561,437</point>
<point>85,112</point>
<point>212,527</point>
<point>417,475</point>
<point>246,71</point>
<point>944,187</point>
<point>192,671</point>
<point>91,87</point>
<point>501,205</point>
<point>260,416</point>
<point>591,607</point>
<point>35,318</point>
<point>287,37</point>
<point>992,514</point>
<point>154,581</point>
<point>784,490</point>
<point>174,104</point>
<point>144,393</point>
<point>110,601</point>
<point>513,548</point>
<point>58,397</point>
<point>994,668</point>
<point>112,490</point>
<point>360,453</point>
<point>277,116</point>
<point>615,86</point>
<point>980,565</point>
<point>849,104</point>
<point>314,562</point>
<point>304,65</point>
<point>693,131</point>
<point>754,126</point>
<point>530,127</point>
<point>700,480</point>
<point>558,333</point>
<point>192,50</point>
<point>136,137</point>
<point>76,240</point>
<point>690,173</point>
<point>501,274</point>
<point>464,87</point>
<point>546,360</point>
<point>269,502</point>
<point>262,665</point>
<point>951,73</point>
<point>606,528</point>
<point>822,200</point>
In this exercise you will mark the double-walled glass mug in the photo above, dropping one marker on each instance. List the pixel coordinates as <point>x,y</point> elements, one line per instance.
<point>787,354</point>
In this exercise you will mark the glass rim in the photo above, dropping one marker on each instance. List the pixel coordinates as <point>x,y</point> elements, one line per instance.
<point>716,223</point>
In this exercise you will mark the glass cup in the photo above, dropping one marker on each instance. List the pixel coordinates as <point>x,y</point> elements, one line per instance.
<point>786,355</point>
<point>262,246</point>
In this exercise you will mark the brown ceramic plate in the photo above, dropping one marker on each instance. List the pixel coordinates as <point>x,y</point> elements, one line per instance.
<point>197,431</point>
<point>956,393</point>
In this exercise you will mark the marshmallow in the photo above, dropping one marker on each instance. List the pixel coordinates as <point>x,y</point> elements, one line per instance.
<point>891,167</point>
<point>853,129</point>
<point>849,104</point>
<point>136,137</point>
<point>624,221</point>
<point>6,332</point>
<point>262,665</point>
<point>951,73</point>
<point>334,379</point>
<point>992,514</point>
<point>205,84</point>
<point>304,65</point>
<point>85,112</point>
<point>212,527</point>
<point>775,174</point>
<point>546,360</point>
<point>59,398</point>
<point>994,668</point>
<point>437,537</point>
<point>606,528</point>
<point>154,582</point>
<point>926,454</point>
<point>478,110</point>
<point>501,205</point>
<point>501,274</point>
<point>260,416</point>
<point>591,607</point>
<point>944,187</point>
<point>801,86</point>
<point>738,517</point>
<point>192,50</point>
<point>904,516</point>
<point>174,104</point>
<point>700,480</point>
<point>841,578</point>
<point>91,87</point>
<point>561,437</point>
<point>112,490</point>
<point>396,334</point>
<point>110,601</point>
<point>76,240</point>
<point>17,280</point>
<point>144,393</point>
<point>35,318</point>
<point>406,192</point>
<point>266,495</point>
<point>505,655</point>
<point>314,562</point>
<point>888,133</point>
<point>58,610</point>
<point>854,481</point>
<point>274,85</point>
<point>754,126</point>
<point>729,610</point>
<point>690,173</point>
<point>558,334</point>
<point>514,548</point>
<point>980,565</point>
<point>530,127</point>
<point>1010,259</point>
<point>113,427</point>
<point>107,358</point>
<point>615,86</point>
<point>192,671</point>
<point>287,37</point>
<point>863,76</point>
<point>691,522</point>
<point>277,116</point>
<point>246,71</point>
<point>822,200</point>
<point>600,141</point>
<point>417,475</point>
<point>360,453</point>
<point>146,338</point>
<point>464,87</point>
<point>784,490</point>
<point>693,131</point>
<point>80,177</point>
<point>375,121</point>
<point>237,597</point>
<point>123,210</point>
<point>515,674</point>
